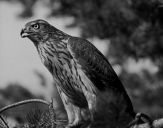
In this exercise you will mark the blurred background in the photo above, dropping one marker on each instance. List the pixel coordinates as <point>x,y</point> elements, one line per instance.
<point>128,32</point>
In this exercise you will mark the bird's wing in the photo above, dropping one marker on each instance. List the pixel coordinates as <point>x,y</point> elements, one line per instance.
<point>97,69</point>
<point>94,64</point>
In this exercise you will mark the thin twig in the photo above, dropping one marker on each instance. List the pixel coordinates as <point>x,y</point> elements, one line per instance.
<point>4,121</point>
<point>23,102</point>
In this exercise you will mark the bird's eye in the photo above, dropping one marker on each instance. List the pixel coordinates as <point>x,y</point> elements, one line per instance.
<point>36,26</point>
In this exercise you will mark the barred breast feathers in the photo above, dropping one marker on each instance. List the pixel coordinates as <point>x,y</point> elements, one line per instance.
<point>60,63</point>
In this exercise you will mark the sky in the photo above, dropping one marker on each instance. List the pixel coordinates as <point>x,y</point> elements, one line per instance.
<point>18,57</point>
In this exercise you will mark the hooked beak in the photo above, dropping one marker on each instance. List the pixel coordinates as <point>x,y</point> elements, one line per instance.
<point>24,33</point>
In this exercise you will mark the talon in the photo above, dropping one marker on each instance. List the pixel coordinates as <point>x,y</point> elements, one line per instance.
<point>141,118</point>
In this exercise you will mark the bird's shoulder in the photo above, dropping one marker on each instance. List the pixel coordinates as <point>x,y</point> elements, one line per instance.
<point>82,48</point>
<point>93,62</point>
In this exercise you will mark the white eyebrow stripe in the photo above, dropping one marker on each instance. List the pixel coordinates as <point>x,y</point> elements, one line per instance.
<point>33,23</point>
<point>30,23</point>
<point>42,21</point>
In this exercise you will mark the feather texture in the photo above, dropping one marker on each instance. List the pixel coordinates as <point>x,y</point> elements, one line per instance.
<point>96,67</point>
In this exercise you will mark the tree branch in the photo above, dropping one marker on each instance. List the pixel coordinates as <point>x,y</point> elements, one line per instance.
<point>23,102</point>
<point>156,124</point>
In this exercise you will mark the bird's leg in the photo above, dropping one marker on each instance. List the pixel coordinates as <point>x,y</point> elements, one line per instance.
<point>68,106</point>
<point>82,118</point>
<point>70,113</point>
<point>78,118</point>
<point>92,111</point>
<point>91,99</point>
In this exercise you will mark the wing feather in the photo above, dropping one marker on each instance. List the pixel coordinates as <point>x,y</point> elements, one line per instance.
<point>97,68</point>
<point>94,64</point>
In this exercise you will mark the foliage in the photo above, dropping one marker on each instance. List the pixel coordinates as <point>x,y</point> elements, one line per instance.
<point>15,93</point>
<point>135,25</point>
<point>145,93</point>
<point>37,117</point>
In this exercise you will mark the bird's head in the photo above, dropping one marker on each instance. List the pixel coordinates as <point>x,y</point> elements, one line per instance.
<point>37,30</point>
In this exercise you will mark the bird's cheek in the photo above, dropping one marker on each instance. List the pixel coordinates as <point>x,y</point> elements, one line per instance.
<point>34,38</point>
<point>37,36</point>
<point>45,37</point>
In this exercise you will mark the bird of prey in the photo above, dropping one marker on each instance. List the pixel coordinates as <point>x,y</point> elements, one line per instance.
<point>86,82</point>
